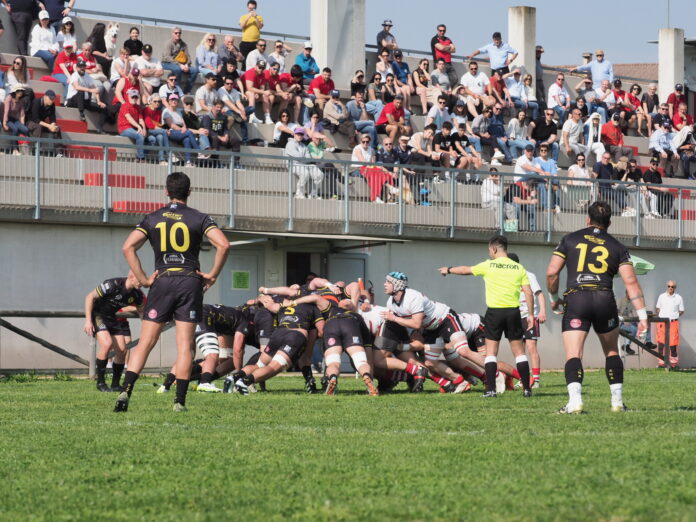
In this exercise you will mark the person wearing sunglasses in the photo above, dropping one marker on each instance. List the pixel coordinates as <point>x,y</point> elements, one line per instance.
<point>599,68</point>
<point>177,59</point>
<point>280,51</point>
<point>207,57</point>
<point>670,305</point>
<point>257,55</point>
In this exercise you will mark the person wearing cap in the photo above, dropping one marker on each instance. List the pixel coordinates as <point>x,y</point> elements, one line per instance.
<point>14,115</point>
<point>57,11</point>
<point>151,71</point>
<point>441,46</point>
<point>500,54</point>
<point>402,75</point>
<point>675,98</point>
<point>152,115</point>
<point>291,84</point>
<point>206,94</point>
<point>134,44</point>
<point>22,15</point>
<point>613,139</point>
<point>304,171</point>
<point>251,24</point>
<point>64,65</point>
<point>518,92</point>
<point>132,81</point>
<point>65,33</point>
<point>662,148</point>
<point>661,199</point>
<point>175,125</point>
<point>42,120</point>
<point>386,40</point>
<point>256,90</point>
<point>81,89</point>
<point>177,59</point>
<point>599,68</point>
<point>43,42</point>
<point>307,63</point>
<point>321,86</point>
<point>539,74</point>
<point>131,123</point>
<point>257,55</point>
<point>337,114</point>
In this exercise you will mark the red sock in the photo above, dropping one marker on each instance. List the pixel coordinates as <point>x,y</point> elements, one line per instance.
<point>442,381</point>
<point>536,373</point>
<point>412,368</point>
<point>458,380</point>
<point>476,373</point>
<point>516,374</point>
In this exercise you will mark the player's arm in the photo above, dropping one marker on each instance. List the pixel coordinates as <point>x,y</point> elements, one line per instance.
<point>529,298</point>
<point>552,280</point>
<point>415,321</point>
<point>130,309</point>
<point>288,291</point>
<point>314,299</point>
<point>635,294</point>
<point>134,241</point>
<point>89,307</point>
<point>542,306</point>
<point>319,325</point>
<point>238,350</point>
<point>222,248</point>
<point>268,303</point>
<point>455,270</point>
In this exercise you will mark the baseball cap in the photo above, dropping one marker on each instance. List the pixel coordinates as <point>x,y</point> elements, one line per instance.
<point>615,116</point>
<point>529,147</point>
<point>654,161</point>
<point>388,22</point>
<point>50,93</point>
<point>299,130</point>
<point>261,63</point>
<point>210,75</point>
<point>335,93</point>
<point>308,45</point>
<point>173,96</point>
<point>667,124</point>
<point>147,48</point>
<point>679,87</point>
<point>68,45</point>
<point>43,15</point>
<point>539,48</point>
<point>133,92</point>
<point>398,53</point>
<point>460,103</point>
<point>81,63</point>
<point>67,19</point>
<point>135,71</point>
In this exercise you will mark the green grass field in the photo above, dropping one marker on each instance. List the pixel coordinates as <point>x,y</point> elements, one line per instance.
<point>284,455</point>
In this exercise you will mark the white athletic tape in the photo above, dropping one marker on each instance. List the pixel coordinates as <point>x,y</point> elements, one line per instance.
<point>207,344</point>
<point>333,358</point>
<point>490,359</point>
<point>642,314</point>
<point>260,364</point>
<point>225,353</point>
<point>282,361</point>
<point>521,359</point>
<point>359,359</point>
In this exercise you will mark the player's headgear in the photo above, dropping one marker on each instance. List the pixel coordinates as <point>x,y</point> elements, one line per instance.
<point>398,280</point>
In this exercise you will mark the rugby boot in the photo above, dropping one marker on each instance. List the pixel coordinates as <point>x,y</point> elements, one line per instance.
<point>117,388</point>
<point>179,408</point>
<point>571,409</point>
<point>102,387</point>
<point>462,387</point>
<point>489,394</point>
<point>311,386</point>
<point>162,389</point>
<point>619,409</point>
<point>371,390</point>
<point>208,387</point>
<point>500,384</point>
<point>121,402</point>
<point>241,387</point>
<point>527,393</point>
<point>419,380</point>
<point>536,384</point>
<point>228,385</point>
<point>331,385</point>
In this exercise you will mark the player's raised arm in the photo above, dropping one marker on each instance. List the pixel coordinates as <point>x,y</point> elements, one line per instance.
<point>455,270</point>
<point>635,294</point>
<point>222,248</point>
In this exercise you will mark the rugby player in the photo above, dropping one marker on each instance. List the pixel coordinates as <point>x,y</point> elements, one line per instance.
<point>592,257</point>
<point>101,304</point>
<point>175,232</point>
<point>503,279</point>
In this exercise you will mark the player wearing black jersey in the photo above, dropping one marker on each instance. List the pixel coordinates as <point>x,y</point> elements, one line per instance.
<point>592,257</point>
<point>175,233</point>
<point>101,305</point>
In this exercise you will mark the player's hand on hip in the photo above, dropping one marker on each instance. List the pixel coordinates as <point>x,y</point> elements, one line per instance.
<point>208,280</point>
<point>150,280</point>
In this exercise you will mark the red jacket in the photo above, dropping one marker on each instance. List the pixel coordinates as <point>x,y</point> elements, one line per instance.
<point>611,134</point>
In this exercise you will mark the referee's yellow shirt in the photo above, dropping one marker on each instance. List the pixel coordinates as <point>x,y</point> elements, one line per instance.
<point>503,278</point>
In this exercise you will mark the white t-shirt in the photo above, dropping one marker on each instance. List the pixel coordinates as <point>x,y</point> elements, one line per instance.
<point>476,84</point>
<point>534,283</point>
<point>561,92</point>
<point>277,132</point>
<point>439,116</point>
<point>523,160</point>
<point>373,318</point>
<point>670,305</point>
<point>83,81</point>
<point>207,95</point>
<point>413,302</point>
<point>149,65</point>
<point>177,118</point>
<point>579,173</point>
<point>232,96</point>
<point>368,155</point>
<point>165,91</point>
<point>124,64</point>
<point>573,129</point>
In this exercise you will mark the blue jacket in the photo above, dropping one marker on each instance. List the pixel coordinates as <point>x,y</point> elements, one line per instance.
<point>309,66</point>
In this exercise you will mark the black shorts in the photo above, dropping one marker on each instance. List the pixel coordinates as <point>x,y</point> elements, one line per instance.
<point>264,326</point>
<point>449,325</point>
<point>585,308</point>
<point>501,321</point>
<point>107,323</point>
<point>177,297</point>
<point>477,338</point>
<point>531,334</point>
<point>291,342</point>
<point>390,336</point>
<point>381,129</point>
<point>345,332</point>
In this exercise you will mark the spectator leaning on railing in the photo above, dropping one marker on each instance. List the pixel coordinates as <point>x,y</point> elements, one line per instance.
<point>304,171</point>
<point>490,191</point>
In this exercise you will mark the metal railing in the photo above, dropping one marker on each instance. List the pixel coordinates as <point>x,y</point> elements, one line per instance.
<point>278,193</point>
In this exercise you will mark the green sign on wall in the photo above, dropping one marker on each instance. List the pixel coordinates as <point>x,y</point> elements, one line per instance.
<point>241,279</point>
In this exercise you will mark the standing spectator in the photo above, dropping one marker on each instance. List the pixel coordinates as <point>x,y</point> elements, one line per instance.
<point>681,118</point>
<point>304,171</point>
<point>42,120</point>
<point>96,38</point>
<point>22,15</point>
<point>176,127</point>
<point>357,112</point>
<point>280,51</point>
<point>386,40</point>
<point>337,114</point>
<point>539,73</point>
<point>543,131</point>
<point>613,139</point>
<point>661,196</point>
<point>662,148</point>
<point>207,55</point>
<point>81,89</point>
<point>517,134</point>
<point>14,115</point>
<point>206,95</point>
<point>64,66</point>
<point>176,58</point>
<point>548,188</point>
<point>251,24</point>
<point>57,10</point>
<point>599,68</point>
<point>229,51</point>
<point>500,54</point>
<point>518,92</point>
<point>593,135</point>
<point>43,41</point>
<point>670,305</point>
<point>257,55</point>
<point>475,87</point>
<point>151,71</point>
<point>66,33</point>
<point>481,128</point>
<point>572,135</point>
<point>438,114</point>
<point>256,90</point>
<point>121,66</point>
<point>321,86</point>
<point>392,121</point>
<point>675,98</point>
<point>216,124</point>
<point>651,105</point>
<point>559,98</point>
<point>442,47</point>
<point>152,115</point>
<point>131,123</point>
<point>307,63</point>
<point>134,44</point>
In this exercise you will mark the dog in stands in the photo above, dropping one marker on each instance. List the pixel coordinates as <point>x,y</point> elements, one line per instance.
<point>111,39</point>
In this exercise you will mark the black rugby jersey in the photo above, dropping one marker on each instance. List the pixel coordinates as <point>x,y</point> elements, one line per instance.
<point>223,320</point>
<point>593,257</point>
<point>303,316</point>
<point>176,233</point>
<point>112,295</point>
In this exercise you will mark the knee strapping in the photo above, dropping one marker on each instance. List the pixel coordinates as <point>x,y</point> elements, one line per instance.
<point>359,359</point>
<point>333,358</point>
<point>282,361</point>
<point>207,343</point>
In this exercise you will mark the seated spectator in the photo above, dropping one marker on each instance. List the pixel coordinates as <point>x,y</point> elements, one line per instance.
<point>427,93</point>
<point>131,123</point>
<point>207,58</point>
<point>663,199</point>
<point>357,112</point>
<point>307,63</point>
<point>133,44</point>
<point>151,71</point>
<point>580,187</point>
<point>651,105</point>
<point>42,121</point>
<point>121,66</point>
<point>572,135</point>
<point>193,123</point>
<point>66,34</point>
<point>176,58</point>
<point>468,155</point>
<point>152,115</point>
<point>392,121</point>
<point>547,186</point>
<point>525,166</point>
<point>374,89</point>
<point>283,130</point>
<point>444,144</point>
<point>543,131</point>
<point>229,70</point>
<point>498,89</point>
<point>43,42</point>
<point>321,86</point>
<point>315,127</point>
<point>14,115</point>
<point>518,92</point>
<point>675,98</point>
<point>497,129</point>
<point>303,169</point>
<point>581,105</point>
<point>402,74</point>
<point>481,128</point>
<point>559,98</point>
<point>362,153</point>
<point>317,146</point>
<point>279,96</point>
<point>459,114</point>
<point>94,70</point>
<point>490,191</point>
<point>280,51</point>
<point>337,115</point>
<point>63,67</point>
<point>605,101</point>
<point>170,87</point>
<point>685,143</point>
<point>81,90</point>
<point>520,206</point>
<point>517,135</point>
<point>97,39</point>
<point>130,82</point>
<point>623,108</point>
<point>291,88</point>
<point>229,51</point>
<point>531,91</point>
<point>257,55</point>
<point>234,107</point>
<point>440,79</point>
<point>357,83</point>
<point>681,118</point>
<point>476,90</point>
<point>256,90</point>
<point>422,151</point>
<point>383,65</point>
<point>592,131</point>
<point>662,148</point>
<point>633,175</point>
<point>605,173</point>
<point>177,131</point>
<point>438,114</point>
<point>206,95</point>
<point>584,90</point>
<point>219,135</point>
<point>389,89</point>
<point>612,138</point>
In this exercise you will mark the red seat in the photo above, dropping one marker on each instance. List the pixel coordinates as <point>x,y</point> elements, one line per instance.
<point>29,69</point>
<point>686,193</point>
<point>88,152</point>
<point>136,207</point>
<point>40,94</point>
<point>634,149</point>
<point>643,168</point>
<point>48,78</point>
<point>115,180</point>
<point>72,126</point>
<point>689,215</point>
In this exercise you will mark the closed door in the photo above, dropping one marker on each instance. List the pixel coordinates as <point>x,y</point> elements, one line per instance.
<point>346,267</point>
<point>240,277</point>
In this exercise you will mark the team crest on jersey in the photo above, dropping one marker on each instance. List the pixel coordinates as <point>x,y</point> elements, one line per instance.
<point>331,341</point>
<point>173,259</point>
<point>575,323</point>
<point>118,297</point>
<point>131,299</point>
<point>152,314</point>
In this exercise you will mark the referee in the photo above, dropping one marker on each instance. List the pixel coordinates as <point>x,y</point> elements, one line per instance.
<point>503,278</point>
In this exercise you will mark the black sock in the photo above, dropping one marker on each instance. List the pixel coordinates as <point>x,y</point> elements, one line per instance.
<point>574,371</point>
<point>196,372</point>
<point>368,374</point>
<point>169,380</point>
<point>181,389</point>
<point>129,382</point>
<point>249,379</point>
<point>673,351</point>
<point>491,373</point>
<point>118,371</point>
<point>206,377</point>
<point>306,372</point>
<point>214,376</point>
<point>523,369</point>
<point>614,369</point>
<point>238,375</point>
<point>101,370</point>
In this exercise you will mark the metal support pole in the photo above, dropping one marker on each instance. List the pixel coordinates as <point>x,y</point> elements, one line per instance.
<point>291,218</point>
<point>37,180</point>
<point>169,161</point>
<point>667,346</point>
<point>105,202</point>
<point>346,199</point>
<point>680,221</point>
<point>400,229</point>
<point>549,197</point>
<point>92,357</point>
<point>453,210</point>
<point>638,206</point>
<point>501,205</point>
<point>231,201</point>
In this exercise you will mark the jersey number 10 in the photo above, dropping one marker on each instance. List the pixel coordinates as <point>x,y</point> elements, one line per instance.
<point>173,241</point>
<point>600,264</point>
